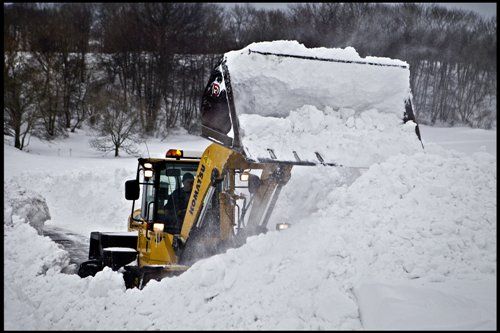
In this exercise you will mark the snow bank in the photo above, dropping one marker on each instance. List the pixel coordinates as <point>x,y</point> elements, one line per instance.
<point>33,257</point>
<point>26,205</point>
<point>85,200</point>
<point>30,260</point>
<point>423,217</point>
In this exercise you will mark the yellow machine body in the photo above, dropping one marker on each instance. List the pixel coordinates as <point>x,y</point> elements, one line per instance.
<point>214,182</point>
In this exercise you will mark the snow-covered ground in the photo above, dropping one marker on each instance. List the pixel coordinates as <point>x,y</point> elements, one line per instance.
<point>408,241</point>
<point>463,139</point>
<point>409,244</point>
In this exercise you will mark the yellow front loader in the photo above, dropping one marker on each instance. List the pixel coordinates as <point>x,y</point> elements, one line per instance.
<point>231,199</point>
<point>238,178</point>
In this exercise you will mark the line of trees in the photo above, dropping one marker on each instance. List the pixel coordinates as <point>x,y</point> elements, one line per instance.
<point>140,68</point>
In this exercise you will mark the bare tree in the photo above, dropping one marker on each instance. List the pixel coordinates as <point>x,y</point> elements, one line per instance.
<point>117,122</point>
<point>20,115</point>
<point>161,55</point>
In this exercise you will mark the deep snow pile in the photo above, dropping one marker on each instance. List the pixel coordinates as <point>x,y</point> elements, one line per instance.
<point>24,204</point>
<point>83,188</point>
<point>342,137</point>
<point>93,195</point>
<point>428,217</point>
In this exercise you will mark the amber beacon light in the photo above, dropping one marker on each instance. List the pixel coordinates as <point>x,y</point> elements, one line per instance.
<point>174,153</point>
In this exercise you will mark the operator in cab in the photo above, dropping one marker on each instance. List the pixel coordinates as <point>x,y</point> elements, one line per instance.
<point>177,203</point>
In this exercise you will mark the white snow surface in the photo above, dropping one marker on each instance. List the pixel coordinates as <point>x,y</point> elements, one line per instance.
<point>341,137</point>
<point>397,305</point>
<point>406,242</point>
<point>409,243</point>
<point>279,96</point>
<point>293,47</point>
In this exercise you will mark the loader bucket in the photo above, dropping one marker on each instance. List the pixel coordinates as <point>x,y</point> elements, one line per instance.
<point>282,102</point>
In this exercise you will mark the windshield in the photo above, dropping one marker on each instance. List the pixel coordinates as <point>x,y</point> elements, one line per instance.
<point>166,194</point>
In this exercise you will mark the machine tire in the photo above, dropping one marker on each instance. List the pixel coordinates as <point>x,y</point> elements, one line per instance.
<point>89,268</point>
<point>132,277</point>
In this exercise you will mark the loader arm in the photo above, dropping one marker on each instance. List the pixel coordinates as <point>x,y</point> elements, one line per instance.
<point>274,177</point>
<point>209,171</point>
<point>213,209</point>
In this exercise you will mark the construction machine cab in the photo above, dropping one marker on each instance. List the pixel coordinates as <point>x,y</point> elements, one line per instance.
<point>161,180</point>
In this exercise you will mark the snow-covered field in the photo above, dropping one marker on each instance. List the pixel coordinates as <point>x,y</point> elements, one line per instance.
<point>407,241</point>
<point>409,244</point>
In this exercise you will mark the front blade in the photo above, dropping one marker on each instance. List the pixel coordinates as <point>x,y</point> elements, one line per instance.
<point>281,102</point>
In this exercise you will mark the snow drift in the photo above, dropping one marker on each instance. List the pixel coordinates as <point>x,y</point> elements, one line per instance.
<point>24,204</point>
<point>425,218</point>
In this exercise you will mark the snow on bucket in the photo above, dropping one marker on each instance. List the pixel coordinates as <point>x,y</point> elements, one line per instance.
<point>282,102</point>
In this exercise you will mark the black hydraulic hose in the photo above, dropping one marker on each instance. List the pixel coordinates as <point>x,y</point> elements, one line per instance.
<point>245,209</point>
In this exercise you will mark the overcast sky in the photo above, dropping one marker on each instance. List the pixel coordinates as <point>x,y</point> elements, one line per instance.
<point>487,10</point>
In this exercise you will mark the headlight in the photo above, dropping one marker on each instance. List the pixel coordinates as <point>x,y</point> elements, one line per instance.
<point>158,227</point>
<point>282,226</point>
<point>148,166</point>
